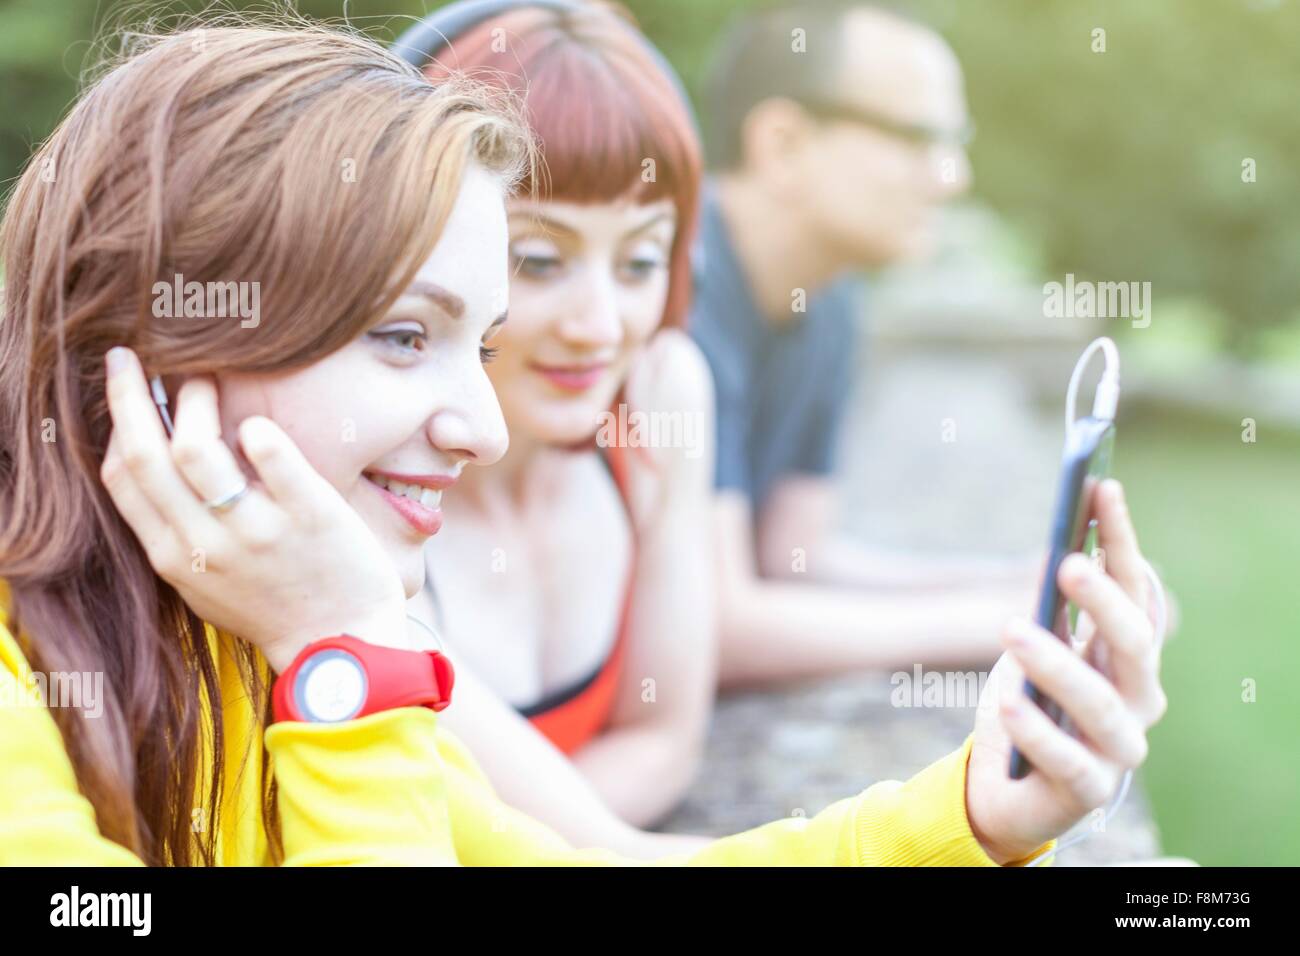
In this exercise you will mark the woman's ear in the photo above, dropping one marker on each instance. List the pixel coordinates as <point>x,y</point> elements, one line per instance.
<point>774,133</point>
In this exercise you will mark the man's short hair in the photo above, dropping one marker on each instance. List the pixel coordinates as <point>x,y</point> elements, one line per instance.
<point>757,60</point>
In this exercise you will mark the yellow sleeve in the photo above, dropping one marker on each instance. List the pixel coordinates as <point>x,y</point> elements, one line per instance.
<point>918,823</point>
<point>366,791</point>
<point>44,819</point>
<point>393,789</point>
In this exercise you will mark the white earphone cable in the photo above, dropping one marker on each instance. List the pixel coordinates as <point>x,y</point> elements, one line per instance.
<point>1105,400</point>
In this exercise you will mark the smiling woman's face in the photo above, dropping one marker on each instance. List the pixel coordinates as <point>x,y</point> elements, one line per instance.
<point>391,418</point>
<point>588,287</point>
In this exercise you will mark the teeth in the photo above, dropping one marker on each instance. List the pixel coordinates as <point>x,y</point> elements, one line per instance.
<point>424,496</point>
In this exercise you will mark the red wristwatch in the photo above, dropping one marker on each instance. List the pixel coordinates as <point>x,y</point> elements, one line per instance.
<point>341,678</point>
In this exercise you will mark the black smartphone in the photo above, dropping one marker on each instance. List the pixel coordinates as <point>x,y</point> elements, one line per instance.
<point>1086,461</point>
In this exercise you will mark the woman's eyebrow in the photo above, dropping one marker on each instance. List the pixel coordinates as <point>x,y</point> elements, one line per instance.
<point>546,222</point>
<point>551,224</point>
<point>652,221</point>
<point>448,301</point>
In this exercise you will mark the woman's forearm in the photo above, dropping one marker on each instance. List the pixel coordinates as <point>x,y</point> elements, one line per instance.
<point>843,562</point>
<point>778,630</point>
<point>641,773</point>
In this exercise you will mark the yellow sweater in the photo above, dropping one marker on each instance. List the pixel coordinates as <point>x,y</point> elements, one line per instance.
<point>395,788</point>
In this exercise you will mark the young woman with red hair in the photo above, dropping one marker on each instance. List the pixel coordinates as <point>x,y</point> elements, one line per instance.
<point>575,585</point>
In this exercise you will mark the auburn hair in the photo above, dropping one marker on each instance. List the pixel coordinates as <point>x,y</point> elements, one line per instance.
<point>303,158</point>
<point>607,120</point>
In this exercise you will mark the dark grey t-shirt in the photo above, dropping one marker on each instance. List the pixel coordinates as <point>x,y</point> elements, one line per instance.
<point>781,389</point>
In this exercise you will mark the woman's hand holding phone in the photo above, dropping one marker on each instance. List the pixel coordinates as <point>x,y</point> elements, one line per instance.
<point>1111,691</point>
<point>289,563</point>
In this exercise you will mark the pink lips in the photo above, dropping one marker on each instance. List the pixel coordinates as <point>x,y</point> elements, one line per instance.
<point>571,378</point>
<point>427,521</point>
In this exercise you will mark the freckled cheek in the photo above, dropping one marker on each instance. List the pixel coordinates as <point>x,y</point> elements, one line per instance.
<point>337,441</point>
<point>331,445</point>
<point>338,433</point>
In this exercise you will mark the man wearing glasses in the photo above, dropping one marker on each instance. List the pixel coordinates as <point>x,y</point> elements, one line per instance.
<point>836,133</point>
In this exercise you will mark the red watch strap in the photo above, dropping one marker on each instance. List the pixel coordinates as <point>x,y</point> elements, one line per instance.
<point>394,677</point>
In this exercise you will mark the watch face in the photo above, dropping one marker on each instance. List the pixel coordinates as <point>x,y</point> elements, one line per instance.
<point>331,686</point>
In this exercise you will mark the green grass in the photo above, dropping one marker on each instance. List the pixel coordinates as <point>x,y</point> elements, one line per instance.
<point>1221,519</point>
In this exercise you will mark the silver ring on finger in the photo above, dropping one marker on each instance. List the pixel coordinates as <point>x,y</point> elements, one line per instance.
<point>226,502</point>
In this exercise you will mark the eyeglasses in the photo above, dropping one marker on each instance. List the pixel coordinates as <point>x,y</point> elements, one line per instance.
<point>918,134</point>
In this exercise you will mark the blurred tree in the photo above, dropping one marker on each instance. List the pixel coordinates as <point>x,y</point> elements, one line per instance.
<point>1128,163</point>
